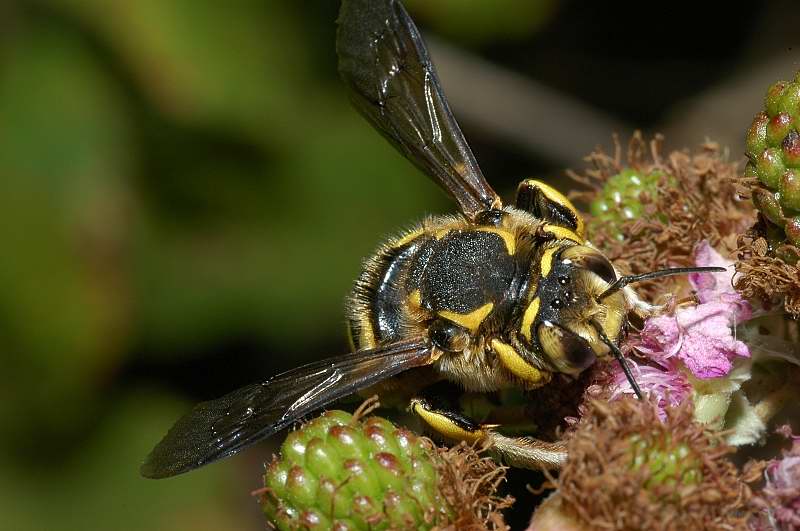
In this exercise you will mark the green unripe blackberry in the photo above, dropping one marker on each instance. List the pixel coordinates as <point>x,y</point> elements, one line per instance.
<point>340,472</point>
<point>773,149</point>
<point>669,463</point>
<point>620,199</point>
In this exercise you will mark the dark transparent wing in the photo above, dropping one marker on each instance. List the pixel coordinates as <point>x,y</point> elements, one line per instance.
<point>220,428</point>
<point>385,64</point>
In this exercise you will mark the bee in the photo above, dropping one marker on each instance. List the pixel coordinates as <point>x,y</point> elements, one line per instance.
<point>491,298</point>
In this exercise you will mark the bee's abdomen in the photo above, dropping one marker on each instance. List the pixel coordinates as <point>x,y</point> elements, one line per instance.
<point>377,305</point>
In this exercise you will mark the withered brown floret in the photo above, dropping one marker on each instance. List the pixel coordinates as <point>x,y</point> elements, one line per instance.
<point>697,199</point>
<point>607,485</point>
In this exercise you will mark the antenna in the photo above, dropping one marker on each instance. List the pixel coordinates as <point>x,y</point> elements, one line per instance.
<point>620,358</point>
<point>623,281</point>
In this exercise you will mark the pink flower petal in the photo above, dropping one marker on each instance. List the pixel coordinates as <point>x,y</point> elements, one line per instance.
<point>717,287</point>
<point>670,388</point>
<point>700,336</point>
<point>782,489</point>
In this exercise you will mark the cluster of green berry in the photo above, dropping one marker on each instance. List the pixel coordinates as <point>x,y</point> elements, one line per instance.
<point>620,200</point>
<point>669,462</point>
<point>340,472</point>
<point>773,147</point>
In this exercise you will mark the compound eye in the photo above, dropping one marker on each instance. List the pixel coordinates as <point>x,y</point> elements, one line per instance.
<point>592,260</point>
<point>568,351</point>
<point>448,336</point>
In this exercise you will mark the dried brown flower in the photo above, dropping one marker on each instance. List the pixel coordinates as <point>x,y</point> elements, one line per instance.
<point>696,200</point>
<point>683,481</point>
<point>469,481</point>
<point>767,272</point>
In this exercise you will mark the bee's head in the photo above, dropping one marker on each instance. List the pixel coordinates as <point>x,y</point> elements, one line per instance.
<point>576,310</point>
<point>565,318</point>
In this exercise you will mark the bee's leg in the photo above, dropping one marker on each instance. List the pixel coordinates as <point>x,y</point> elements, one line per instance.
<point>527,452</point>
<point>532,377</point>
<point>448,423</point>
<point>547,203</point>
<point>520,452</point>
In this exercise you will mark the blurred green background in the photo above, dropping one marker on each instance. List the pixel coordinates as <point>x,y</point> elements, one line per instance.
<point>186,196</point>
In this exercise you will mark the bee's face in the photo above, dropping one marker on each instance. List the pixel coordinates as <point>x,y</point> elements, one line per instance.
<point>562,318</point>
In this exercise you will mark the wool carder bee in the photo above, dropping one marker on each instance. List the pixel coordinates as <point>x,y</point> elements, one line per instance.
<point>491,298</point>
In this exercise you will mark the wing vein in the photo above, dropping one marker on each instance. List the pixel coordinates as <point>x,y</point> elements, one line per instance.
<point>220,428</point>
<point>393,83</point>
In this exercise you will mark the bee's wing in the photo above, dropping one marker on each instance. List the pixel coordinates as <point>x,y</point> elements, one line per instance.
<point>385,64</point>
<point>220,428</point>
